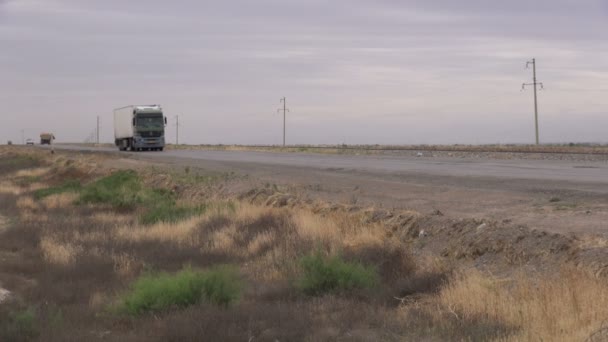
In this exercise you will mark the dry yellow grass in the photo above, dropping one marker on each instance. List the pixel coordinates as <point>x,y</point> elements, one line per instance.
<point>27,203</point>
<point>33,216</point>
<point>565,307</point>
<point>223,240</point>
<point>124,264</point>
<point>37,172</point>
<point>109,217</point>
<point>10,188</point>
<point>339,230</point>
<point>180,232</point>
<point>316,228</point>
<point>247,212</point>
<point>57,201</point>
<point>59,253</point>
<point>260,242</point>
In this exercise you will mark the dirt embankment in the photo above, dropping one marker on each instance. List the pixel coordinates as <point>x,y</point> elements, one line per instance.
<point>442,277</point>
<point>496,246</point>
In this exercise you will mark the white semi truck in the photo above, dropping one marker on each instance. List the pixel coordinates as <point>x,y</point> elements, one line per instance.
<point>139,128</point>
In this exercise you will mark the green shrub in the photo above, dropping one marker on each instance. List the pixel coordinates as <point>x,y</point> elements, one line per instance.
<point>332,274</point>
<point>221,286</point>
<point>69,186</point>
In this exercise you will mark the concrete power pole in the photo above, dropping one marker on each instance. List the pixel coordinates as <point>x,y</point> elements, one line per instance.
<point>535,84</point>
<point>284,110</point>
<point>177,130</point>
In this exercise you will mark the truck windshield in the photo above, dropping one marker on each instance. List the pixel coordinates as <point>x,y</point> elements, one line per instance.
<point>150,122</point>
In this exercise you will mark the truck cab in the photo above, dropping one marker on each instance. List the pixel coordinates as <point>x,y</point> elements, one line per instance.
<point>140,128</point>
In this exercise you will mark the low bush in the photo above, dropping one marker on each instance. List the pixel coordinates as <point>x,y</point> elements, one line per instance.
<point>332,274</point>
<point>150,293</point>
<point>69,186</point>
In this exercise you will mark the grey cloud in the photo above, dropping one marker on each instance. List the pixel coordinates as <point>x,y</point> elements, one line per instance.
<point>358,71</point>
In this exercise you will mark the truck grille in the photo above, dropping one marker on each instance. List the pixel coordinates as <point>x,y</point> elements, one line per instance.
<point>150,134</point>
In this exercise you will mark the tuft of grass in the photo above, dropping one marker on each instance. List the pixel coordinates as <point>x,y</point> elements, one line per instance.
<point>332,274</point>
<point>69,186</point>
<point>170,213</point>
<point>151,293</point>
<point>121,189</point>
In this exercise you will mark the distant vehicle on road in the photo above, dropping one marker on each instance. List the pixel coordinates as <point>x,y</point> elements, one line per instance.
<point>29,141</point>
<point>139,128</point>
<point>46,138</point>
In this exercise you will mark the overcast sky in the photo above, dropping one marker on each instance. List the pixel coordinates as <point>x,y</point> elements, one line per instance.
<point>353,71</point>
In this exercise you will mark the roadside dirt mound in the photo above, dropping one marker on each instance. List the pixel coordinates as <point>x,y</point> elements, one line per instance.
<point>504,247</point>
<point>495,243</point>
<point>499,246</point>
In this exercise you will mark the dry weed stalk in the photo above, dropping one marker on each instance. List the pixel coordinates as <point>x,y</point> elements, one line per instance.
<point>567,307</point>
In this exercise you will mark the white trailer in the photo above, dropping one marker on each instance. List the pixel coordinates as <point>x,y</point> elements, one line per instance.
<point>139,128</point>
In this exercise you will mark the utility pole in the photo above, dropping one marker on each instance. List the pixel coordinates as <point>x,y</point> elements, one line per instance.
<point>284,110</point>
<point>97,135</point>
<point>535,84</point>
<point>177,130</point>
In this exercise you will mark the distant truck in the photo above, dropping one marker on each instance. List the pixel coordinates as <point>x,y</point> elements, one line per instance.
<point>139,128</point>
<point>46,138</point>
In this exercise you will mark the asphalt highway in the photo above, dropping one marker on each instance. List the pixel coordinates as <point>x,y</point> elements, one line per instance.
<point>545,170</point>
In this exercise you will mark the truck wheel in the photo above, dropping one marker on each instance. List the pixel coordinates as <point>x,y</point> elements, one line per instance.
<point>161,149</point>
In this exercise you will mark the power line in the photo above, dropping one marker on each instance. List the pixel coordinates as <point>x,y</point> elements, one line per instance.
<point>535,84</point>
<point>284,110</point>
